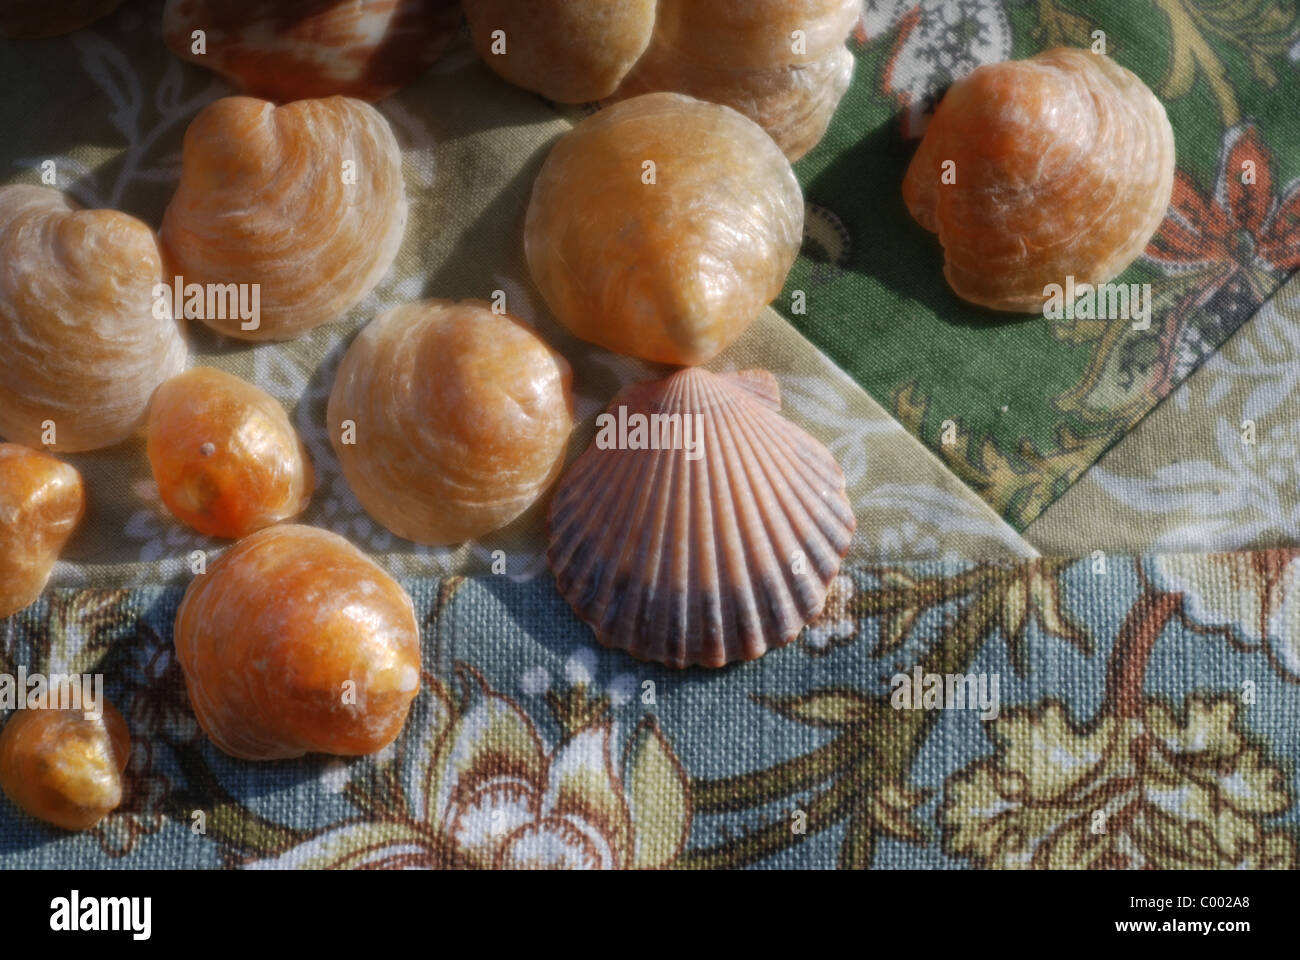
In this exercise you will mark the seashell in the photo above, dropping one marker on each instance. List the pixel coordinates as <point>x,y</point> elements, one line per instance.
<point>225,457</point>
<point>567,50</point>
<point>41,502</point>
<point>293,49</point>
<point>1064,166</point>
<point>263,199</point>
<point>793,103</point>
<point>295,642</point>
<point>695,561</point>
<point>33,19</point>
<point>83,346</point>
<point>64,765</point>
<point>670,271</point>
<point>755,34</point>
<point>461,418</point>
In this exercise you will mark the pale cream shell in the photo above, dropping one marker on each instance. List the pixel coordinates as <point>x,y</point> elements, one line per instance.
<point>80,343</point>
<point>697,561</point>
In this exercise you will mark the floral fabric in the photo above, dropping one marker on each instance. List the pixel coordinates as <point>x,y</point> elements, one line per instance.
<point>1122,713</point>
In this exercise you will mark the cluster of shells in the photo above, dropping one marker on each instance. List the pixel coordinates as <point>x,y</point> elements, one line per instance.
<point>451,419</point>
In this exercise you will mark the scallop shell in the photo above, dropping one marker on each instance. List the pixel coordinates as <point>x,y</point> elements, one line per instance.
<point>32,19</point>
<point>567,50</point>
<point>65,765</point>
<point>41,502</point>
<point>670,271</point>
<point>1064,166</point>
<point>84,343</point>
<point>700,561</point>
<point>295,642</point>
<point>264,199</point>
<point>224,455</point>
<point>292,49</point>
<point>461,419</point>
<point>793,103</point>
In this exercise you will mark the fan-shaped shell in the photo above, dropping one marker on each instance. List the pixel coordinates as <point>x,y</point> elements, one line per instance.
<point>568,50</point>
<point>1063,165</point>
<point>794,103</point>
<point>292,49</point>
<point>669,262</point>
<point>305,200</point>
<point>461,419</point>
<point>65,766</point>
<point>83,343</point>
<point>41,502</point>
<point>295,642</point>
<point>31,19</point>
<point>708,560</point>
<point>225,457</point>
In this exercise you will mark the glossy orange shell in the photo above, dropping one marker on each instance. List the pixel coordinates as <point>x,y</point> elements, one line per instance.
<point>462,419</point>
<point>80,343</point>
<point>675,270</point>
<point>225,457</point>
<point>1064,166</point>
<point>263,199</point>
<point>32,19</point>
<point>293,49</point>
<point>65,767</point>
<point>281,631</point>
<point>41,502</point>
<point>567,50</point>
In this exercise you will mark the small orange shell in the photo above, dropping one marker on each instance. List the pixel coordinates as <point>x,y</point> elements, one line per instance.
<point>793,103</point>
<point>755,34</point>
<point>82,344</point>
<point>292,49</point>
<point>264,199</point>
<point>717,546</point>
<point>41,502</point>
<point>462,419</point>
<point>295,642</point>
<point>225,457</point>
<point>675,269</point>
<point>1063,166</point>
<point>567,50</point>
<point>63,766</point>
<point>33,19</point>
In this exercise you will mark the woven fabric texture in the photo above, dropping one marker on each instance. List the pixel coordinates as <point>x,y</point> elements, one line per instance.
<point>1109,712</point>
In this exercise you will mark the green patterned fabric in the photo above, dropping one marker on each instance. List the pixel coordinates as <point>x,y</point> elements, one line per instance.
<point>1035,402</point>
<point>1122,714</point>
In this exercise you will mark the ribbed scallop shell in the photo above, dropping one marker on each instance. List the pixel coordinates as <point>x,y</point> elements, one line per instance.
<point>263,199</point>
<point>41,502</point>
<point>280,629</point>
<point>291,49</point>
<point>461,419</point>
<point>31,19</point>
<point>79,340</point>
<point>568,50</point>
<point>672,271</point>
<point>694,562</point>
<point>1064,166</point>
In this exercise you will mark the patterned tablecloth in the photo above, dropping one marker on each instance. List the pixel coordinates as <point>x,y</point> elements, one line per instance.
<point>1128,712</point>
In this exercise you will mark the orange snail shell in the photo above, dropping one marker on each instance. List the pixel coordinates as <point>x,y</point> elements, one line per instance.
<point>1064,166</point>
<point>41,502</point>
